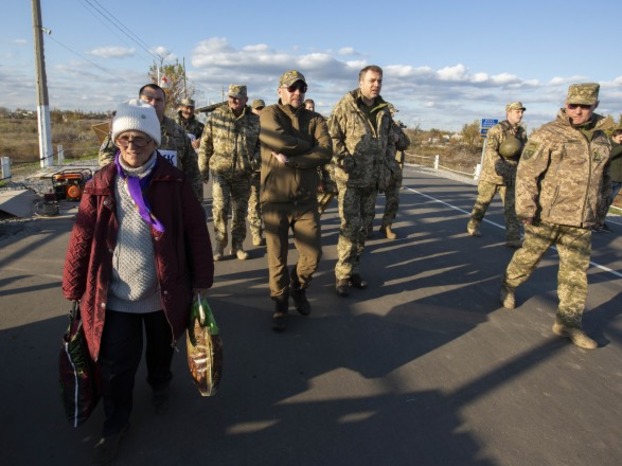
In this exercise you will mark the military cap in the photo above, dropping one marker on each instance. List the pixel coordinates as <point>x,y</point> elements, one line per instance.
<point>290,77</point>
<point>237,90</point>
<point>187,102</point>
<point>515,106</point>
<point>258,104</point>
<point>583,93</point>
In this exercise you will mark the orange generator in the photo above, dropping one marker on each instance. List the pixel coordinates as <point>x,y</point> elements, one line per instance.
<point>68,184</point>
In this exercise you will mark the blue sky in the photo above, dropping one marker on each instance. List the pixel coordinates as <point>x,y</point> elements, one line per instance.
<point>446,63</point>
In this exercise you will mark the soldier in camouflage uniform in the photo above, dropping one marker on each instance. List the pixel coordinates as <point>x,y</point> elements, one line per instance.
<point>615,175</point>
<point>398,143</point>
<point>255,221</point>
<point>188,121</point>
<point>175,145</point>
<point>499,173</point>
<point>294,142</point>
<point>560,177</point>
<point>360,127</point>
<point>229,149</point>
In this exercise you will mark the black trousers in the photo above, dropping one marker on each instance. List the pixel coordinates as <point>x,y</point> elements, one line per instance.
<point>119,357</point>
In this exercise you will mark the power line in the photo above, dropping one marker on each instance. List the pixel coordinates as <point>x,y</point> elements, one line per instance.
<point>118,24</point>
<point>81,56</point>
<point>122,39</point>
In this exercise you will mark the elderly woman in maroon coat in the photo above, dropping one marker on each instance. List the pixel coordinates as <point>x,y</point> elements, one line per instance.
<point>138,252</point>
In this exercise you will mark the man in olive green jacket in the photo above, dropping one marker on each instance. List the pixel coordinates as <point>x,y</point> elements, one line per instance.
<point>294,143</point>
<point>559,181</point>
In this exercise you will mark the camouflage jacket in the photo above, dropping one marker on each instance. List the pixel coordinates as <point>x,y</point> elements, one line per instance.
<point>361,147</point>
<point>173,139</point>
<point>615,169</point>
<point>230,144</point>
<point>398,143</point>
<point>192,126</point>
<point>562,173</point>
<point>301,135</point>
<point>496,168</point>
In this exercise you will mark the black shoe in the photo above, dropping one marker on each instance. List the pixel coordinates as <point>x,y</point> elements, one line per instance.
<point>357,281</point>
<point>300,300</point>
<point>160,398</point>
<point>107,448</point>
<point>279,317</point>
<point>343,287</point>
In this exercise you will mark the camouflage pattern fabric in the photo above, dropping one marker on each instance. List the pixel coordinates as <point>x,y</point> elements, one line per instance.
<point>558,185</point>
<point>230,194</point>
<point>229,148</point>
<point>399,142</point>
<point>254,208</point>
<point>498,175</point>
<point>356,211</point>
<point>574,248</point>
<point>562,173</point>
<point>192,126</point>
<point>360,146</point>
<point>615,176</point>
<point>495,168</point>
<point>485,193</point>
<point>229,144</point>
<point>173,138</point>
<point>362,153</point>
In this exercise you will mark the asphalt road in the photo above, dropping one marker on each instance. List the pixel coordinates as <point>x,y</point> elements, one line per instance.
<point>422,368</point>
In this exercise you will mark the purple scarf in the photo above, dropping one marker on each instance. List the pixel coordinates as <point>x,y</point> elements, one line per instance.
<point>135,186</point>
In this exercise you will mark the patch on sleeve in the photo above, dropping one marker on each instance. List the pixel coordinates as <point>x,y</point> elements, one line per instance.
<point>529,150</point>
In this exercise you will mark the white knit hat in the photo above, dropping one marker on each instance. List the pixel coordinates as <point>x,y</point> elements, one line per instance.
<point>138,116</point>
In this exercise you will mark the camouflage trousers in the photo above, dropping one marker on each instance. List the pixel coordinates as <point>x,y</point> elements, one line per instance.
<point>230,195</point>
<point>356,211</point>
<point>254,208</point>
<point>574,248</point>
<point>392,199</point>
<point>485,193</point>
<point>304,220</point>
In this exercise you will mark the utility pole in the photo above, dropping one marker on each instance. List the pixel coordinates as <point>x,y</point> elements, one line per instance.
<point>43,105</point>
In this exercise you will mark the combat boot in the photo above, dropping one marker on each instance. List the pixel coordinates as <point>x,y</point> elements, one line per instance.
<point>473,228</point>
<point>387,232</point>
<point>342,287</point>
<point>576,335</point>
<point>299,296</point>
<point>356,281</point>
<point>240,253</point>
<point>219,251</point>
<point>508,299</point>
<point>279,317</point>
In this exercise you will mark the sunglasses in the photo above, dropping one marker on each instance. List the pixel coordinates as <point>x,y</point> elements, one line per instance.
<point>583,106</point>
<point>298,85</point>
<point>124,141</point>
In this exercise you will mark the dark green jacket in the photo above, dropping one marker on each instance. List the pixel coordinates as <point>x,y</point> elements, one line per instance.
<point>302,136</point>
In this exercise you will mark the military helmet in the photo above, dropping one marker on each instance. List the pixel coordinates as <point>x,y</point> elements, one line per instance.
<point>510,147</point>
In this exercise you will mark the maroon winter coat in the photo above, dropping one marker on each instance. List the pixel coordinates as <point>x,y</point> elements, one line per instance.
<point>182,253</point>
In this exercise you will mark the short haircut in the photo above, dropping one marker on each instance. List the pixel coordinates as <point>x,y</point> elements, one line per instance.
<point>373,68</point>
<point>153,86</point>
